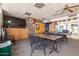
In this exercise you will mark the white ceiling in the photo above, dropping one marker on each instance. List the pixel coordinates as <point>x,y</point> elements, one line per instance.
<point>19,9</point>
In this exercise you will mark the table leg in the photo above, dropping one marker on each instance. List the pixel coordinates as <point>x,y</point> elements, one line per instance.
<point>44,47</point>
<point>54,47</point>
<point>66,39</point>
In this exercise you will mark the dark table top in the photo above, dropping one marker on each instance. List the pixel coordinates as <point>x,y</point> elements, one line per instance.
<point>50,37</point>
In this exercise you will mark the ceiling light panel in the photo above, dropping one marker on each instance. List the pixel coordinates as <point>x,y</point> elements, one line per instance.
<point>39,5</point>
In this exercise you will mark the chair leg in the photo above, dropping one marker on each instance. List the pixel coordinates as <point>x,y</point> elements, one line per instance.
<point>31,49</point>
<point>31,52</point>
<point>13,41</point>
<point>66,39</point>
<point>59,44</point>
<point>44,52</point>
<point>56,47</point>
<point>44,47</point>
<point>52,48</point>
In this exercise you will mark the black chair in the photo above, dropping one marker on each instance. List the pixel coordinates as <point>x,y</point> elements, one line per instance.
<point>65,31</point>
<point>58,42</point>
<point>7,37</point>
<point>36,42</point>
<point>55,43</point>
<point>65,35</point>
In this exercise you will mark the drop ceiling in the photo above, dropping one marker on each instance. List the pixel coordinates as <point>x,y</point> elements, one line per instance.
<point>46,10</point>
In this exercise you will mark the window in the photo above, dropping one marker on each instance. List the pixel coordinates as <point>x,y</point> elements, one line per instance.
<point>61,26</point>
<point>74,28</point>
<point>71,25</point>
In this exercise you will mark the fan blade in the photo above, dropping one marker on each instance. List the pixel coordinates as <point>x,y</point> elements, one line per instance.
<point>70,10</point>
<point>74,6</point>
<point>62,12</point>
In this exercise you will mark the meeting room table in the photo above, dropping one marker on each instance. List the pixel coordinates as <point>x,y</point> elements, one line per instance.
<point>53,38</point>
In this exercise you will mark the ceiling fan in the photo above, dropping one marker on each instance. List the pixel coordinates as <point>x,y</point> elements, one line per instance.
<point>68,8</point>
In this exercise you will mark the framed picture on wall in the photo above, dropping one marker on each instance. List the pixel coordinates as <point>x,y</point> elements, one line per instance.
<point>37,27</point>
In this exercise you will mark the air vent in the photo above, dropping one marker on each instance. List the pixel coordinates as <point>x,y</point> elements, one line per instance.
<point>27,13</point>
<point>39,5</point>
<point>72,15</point>
<point>68,19</point>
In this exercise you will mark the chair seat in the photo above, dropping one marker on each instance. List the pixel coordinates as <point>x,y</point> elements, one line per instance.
<point>5,48</point>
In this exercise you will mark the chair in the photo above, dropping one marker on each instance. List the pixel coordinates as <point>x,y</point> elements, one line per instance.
<point>65,31</point>
<point>8,37</point>
<point>36,42</point>
<point>65,35</point>
<point>5,48</point>
<point>58,42</point>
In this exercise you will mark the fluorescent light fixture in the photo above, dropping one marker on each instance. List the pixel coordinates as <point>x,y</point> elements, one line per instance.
<point>9,21</point>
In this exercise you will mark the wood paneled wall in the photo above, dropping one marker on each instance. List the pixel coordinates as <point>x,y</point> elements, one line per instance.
<point>18,33</point>
<point>52,27</point>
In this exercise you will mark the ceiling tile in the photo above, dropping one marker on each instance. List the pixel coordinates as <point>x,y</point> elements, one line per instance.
<point>47,10</point>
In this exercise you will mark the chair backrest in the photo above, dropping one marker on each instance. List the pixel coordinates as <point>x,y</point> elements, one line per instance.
<point>4,35</point>
<point>32,38</point>
<point>5,48</point>
<point>65,31</point>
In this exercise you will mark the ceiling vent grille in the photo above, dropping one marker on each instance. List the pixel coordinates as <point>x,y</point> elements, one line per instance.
<point>39,5</point>
<point>27,13</point>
